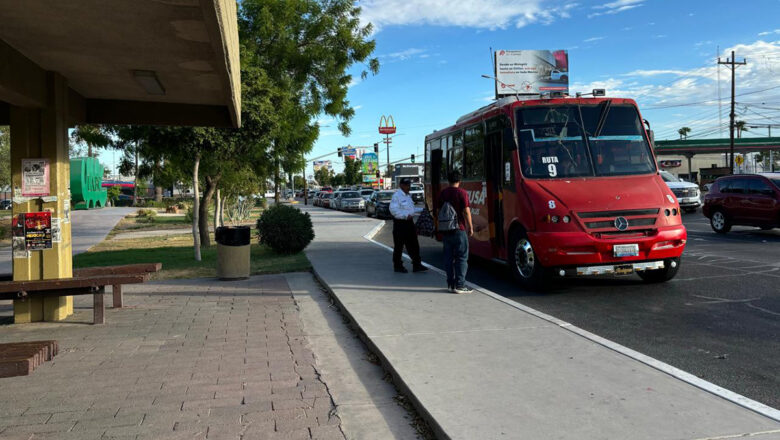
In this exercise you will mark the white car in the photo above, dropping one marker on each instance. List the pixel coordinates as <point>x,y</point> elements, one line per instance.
<point>557,75</point>
<point>417,193</point>
<point>687,193</point>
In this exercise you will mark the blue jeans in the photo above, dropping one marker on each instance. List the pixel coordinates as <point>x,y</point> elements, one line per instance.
<point>456,255</point>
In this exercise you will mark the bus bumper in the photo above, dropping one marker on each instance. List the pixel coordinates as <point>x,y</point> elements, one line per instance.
<point>574,251</point>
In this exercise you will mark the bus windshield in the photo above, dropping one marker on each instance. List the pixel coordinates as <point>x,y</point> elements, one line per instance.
<point>582,140</point>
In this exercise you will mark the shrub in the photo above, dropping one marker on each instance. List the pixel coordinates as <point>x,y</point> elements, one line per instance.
<point>146,215</point>
<point>261,203</point>
<point>188,214</point>
<point>285,229</point>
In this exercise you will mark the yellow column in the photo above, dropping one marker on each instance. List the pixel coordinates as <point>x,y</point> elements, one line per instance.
<point>43,133</point>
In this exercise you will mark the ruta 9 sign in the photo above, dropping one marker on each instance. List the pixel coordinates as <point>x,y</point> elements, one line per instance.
<point>386,125</point>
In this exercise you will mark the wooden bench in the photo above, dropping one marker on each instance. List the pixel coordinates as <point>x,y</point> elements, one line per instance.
<point>87,281</point>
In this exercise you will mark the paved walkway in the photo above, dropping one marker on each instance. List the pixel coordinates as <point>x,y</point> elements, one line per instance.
<point>198,359</point>
<point>479,368</point>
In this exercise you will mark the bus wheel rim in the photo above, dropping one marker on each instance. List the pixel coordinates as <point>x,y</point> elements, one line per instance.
<point>525,259</point>
<point>718,220</point>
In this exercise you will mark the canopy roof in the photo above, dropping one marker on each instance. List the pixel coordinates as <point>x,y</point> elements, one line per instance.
<point>704,146</point>
<point>125,61</point>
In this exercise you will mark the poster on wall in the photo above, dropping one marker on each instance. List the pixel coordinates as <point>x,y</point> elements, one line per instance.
<point>35,177</point>
<point>37,230</point>
<point>531,72</point>
<point>56,230</point>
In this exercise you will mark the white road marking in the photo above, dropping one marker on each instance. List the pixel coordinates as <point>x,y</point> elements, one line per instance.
<point>677,373</point>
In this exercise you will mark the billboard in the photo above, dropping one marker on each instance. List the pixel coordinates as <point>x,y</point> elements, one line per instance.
<point>318,164</point>
<point>531,72</point>
<point>370,165</point>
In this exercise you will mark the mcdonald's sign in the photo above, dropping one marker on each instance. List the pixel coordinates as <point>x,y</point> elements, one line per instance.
<point>386,125</point>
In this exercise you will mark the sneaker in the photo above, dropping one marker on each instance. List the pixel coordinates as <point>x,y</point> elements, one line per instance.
<point>419,268</point>
<point>401,269</point>
<point>463,289</point>
<point>450,288</point>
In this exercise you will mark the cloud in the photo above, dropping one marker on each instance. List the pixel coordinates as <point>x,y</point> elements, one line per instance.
<point>592,39</point>
<point>675,90</point>
<point>763,34</point>
<point>404,55</point>
<point>481,14</point>
<point>615,7</point>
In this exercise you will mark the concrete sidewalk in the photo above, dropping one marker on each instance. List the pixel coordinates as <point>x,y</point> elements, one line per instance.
<point>479,368</point>
<point>265,358</point>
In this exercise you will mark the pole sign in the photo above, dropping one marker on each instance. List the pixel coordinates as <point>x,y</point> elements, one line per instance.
<point>531,72</point>
<point>350,152</point>
<point>386,125</point>
<point>318,164</point>
<point>370,165</point>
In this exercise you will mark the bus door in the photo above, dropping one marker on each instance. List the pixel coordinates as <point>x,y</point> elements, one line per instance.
<point>494,172</point>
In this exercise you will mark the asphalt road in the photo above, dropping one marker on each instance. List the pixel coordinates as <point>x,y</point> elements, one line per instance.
<point>719,319</point>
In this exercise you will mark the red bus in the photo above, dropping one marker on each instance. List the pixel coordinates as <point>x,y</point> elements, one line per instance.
<point>561,187</point>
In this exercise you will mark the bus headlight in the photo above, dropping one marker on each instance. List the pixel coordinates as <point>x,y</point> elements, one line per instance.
<point>566,219</point>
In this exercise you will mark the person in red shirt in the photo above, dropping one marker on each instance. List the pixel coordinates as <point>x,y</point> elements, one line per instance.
<point>456,243</point>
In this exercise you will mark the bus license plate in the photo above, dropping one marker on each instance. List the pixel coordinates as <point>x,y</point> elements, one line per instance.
<point>626,250</point>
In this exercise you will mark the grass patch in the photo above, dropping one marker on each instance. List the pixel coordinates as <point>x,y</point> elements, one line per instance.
<point>177,257</point>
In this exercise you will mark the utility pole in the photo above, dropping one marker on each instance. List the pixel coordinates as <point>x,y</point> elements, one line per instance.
<point>733,64</point>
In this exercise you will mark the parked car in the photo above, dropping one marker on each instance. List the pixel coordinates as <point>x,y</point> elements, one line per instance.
<point>366,193</point>
<point>315,199</point>
<point>687,193</point>
<point>417,192</point>
<point>379,204</point>
<point>326,199</point>
<point>350,201</point>
<point>6,204</point>
<point>744,199</point>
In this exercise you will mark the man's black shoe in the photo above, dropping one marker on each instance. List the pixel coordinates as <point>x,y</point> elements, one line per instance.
<point>401,269</point>
<point>419,268</point>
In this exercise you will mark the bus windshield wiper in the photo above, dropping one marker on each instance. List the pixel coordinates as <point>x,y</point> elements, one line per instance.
<point>602,118</point>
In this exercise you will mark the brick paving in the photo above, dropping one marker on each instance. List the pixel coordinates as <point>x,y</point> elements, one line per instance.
<point>186,359</point>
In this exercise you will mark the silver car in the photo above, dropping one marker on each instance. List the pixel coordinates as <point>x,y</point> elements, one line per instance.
<point>351,201</point>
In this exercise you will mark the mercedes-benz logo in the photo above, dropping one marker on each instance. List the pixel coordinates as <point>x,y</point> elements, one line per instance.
<point>621,224</point>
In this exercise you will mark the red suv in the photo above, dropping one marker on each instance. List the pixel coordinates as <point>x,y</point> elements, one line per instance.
<point>744,199</point>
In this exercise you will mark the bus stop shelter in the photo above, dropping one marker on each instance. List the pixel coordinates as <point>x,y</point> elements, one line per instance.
<point>62,63</point>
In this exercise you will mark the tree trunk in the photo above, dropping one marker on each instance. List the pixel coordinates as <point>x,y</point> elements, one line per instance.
<point>195,208</point>
<point>217,207</point>
<point>276,182</point>
<point>135,187</point>
<point>222,211</point>
<point>208,194</point>
<point>158,189</point>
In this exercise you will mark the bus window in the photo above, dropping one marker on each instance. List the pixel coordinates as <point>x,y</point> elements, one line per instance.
<point>444,159</point>
<point>474,165</point>
<point>428,162</point>
<point>456,155</point>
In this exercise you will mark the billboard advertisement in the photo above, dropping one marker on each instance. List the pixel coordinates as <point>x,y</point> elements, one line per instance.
<point>370,165</point>
<point>318,164</point>
<point>531,72</point>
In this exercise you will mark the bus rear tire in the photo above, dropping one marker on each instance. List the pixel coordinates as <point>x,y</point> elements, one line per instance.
<point>671,266</point>
<point>524,264</point>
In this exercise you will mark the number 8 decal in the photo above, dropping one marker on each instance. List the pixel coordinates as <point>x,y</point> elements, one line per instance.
<point>552,169</point>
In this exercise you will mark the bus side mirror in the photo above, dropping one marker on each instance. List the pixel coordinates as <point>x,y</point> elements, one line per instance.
<point>651,135</point>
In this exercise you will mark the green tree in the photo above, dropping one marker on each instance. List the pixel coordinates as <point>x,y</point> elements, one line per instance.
<point>5,157</point>
<point>338,180</point>
<point>91,135</point>
<point>740,127</point>
<point>684,132</point>
<point>323,176</point>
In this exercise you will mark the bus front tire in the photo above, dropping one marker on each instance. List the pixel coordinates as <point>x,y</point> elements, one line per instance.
<point>671,266</point>
<point>524,264</point>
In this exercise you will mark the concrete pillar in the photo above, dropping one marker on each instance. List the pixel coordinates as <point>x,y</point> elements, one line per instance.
<point>43,133</point>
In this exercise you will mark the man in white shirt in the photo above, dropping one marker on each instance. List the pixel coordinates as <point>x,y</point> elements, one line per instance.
<point>404,233</point>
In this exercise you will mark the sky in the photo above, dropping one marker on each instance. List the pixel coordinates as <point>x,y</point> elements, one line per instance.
<point>662,53</point>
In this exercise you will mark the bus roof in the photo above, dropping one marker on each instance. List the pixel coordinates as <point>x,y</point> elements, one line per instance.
<point>505,104</point>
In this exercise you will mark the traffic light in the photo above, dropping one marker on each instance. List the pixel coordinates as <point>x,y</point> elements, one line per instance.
<point>376,148</point>
<point>339,150</point>
<point>412,158</point>
<point>377,174</point>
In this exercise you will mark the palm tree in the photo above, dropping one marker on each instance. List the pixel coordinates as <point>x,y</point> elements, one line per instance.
<point>740,126</point>
<point>684,132</point>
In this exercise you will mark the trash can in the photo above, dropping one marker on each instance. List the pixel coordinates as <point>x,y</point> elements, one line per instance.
<point>233,244</point>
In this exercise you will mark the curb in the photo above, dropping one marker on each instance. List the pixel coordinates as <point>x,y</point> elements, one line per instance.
<point>402,386</point>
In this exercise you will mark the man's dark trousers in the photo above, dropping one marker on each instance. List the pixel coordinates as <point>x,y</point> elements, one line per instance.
<point>404,234</point>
